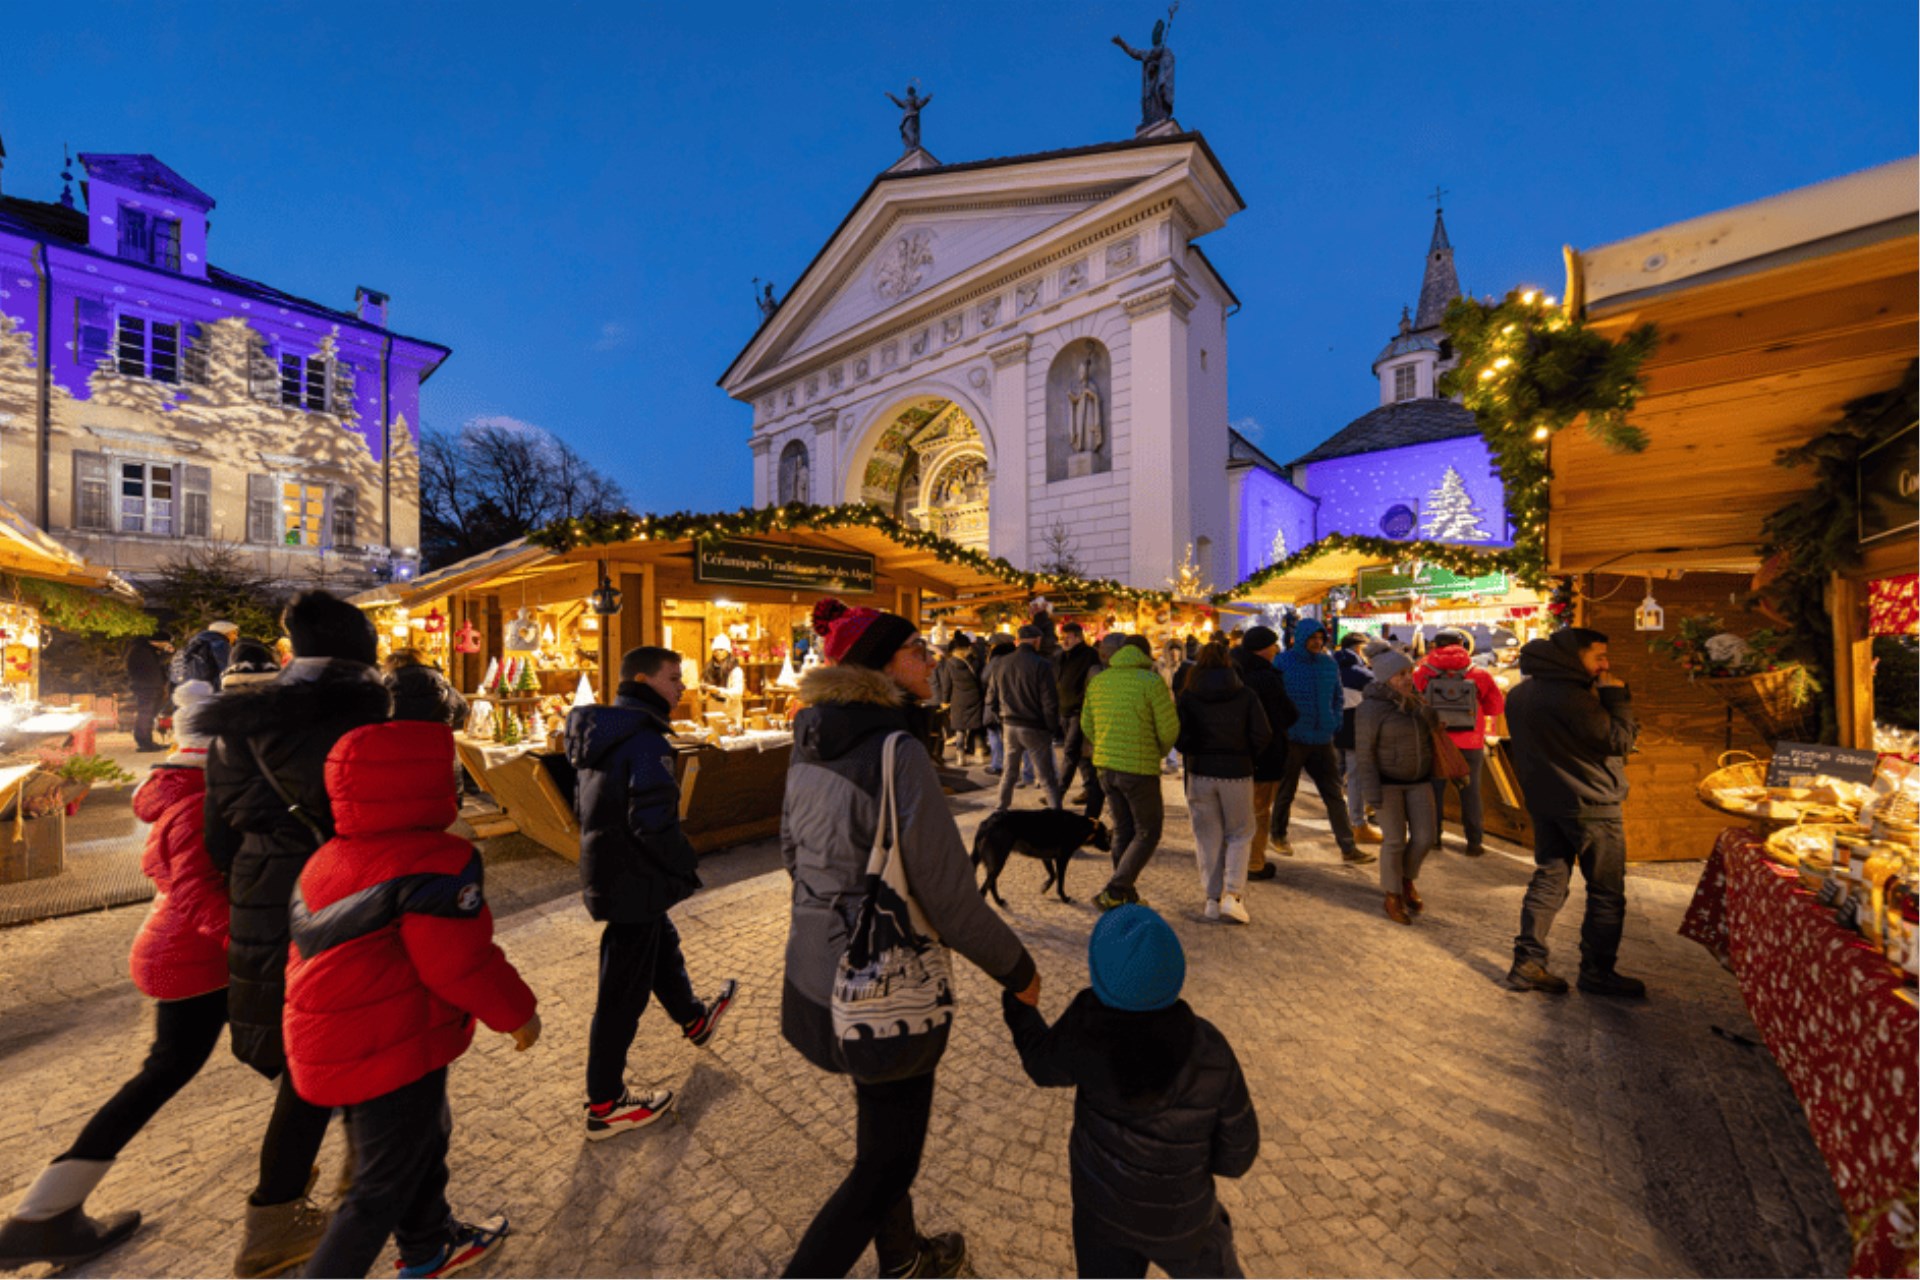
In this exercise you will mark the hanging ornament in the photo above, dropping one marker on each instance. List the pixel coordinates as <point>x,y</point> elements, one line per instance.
<point>467,640</point>
<point>1649,616</point>
<point>436,623</point>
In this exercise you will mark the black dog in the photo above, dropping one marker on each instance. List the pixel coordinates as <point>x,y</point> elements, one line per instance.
<point>1051,835</point>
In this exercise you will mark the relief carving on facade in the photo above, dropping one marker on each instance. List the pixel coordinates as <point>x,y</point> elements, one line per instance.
<point>1074,278</point>
<point>902,265</point>
<point>835,376</point>
<point>990,312</point>
<point>889,356</point>
<point>1124,254</point>
<point>1026,297</point>
<point>860,369</point>
<point>813,388</point>
<point>917,345</point>
<point>950,329</point>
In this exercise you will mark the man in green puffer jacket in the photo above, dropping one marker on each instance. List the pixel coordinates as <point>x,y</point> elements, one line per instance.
<point>1129,718</point>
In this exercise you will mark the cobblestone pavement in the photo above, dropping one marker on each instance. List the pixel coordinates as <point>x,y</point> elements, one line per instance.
<point>1417,1118</point>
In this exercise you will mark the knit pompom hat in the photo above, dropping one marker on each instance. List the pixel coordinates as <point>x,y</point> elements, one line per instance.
<point>186,700</point>
<point>1135,961</point>
<point>859,637</point>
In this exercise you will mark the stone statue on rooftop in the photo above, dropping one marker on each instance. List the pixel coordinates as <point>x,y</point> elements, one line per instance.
<point>910,118</point>
<point>763,298</point>
<point>1156,73</point>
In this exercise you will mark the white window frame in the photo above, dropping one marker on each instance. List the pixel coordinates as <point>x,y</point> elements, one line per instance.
<point>1412,383</point>
<point>145,367</point>
<point>146,499</point>
<point>323,525</point>
<point>312,365</point>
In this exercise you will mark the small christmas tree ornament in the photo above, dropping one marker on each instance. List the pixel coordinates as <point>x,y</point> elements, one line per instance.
<point>492,677</point>
<point>526,682</point>
<point>583,694</point>
<point>1450,514</point>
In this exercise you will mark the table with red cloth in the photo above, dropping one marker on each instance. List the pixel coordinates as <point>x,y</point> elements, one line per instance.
<point>1835,1017</point>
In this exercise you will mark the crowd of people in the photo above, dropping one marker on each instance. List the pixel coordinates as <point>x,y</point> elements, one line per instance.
<point>313,902</point>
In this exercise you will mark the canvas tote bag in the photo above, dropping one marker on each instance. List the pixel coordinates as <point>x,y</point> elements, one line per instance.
<point>892,1000</point>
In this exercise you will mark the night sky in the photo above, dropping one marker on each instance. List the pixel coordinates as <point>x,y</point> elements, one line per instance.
<point>575,198</point>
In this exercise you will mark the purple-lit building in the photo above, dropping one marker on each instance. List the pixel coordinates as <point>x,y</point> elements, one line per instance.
<point>152,403</point>
<point>1413,467</point>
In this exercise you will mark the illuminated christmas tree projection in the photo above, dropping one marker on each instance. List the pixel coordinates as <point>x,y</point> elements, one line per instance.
<point>1449,513</point>
<point>1278,551</point>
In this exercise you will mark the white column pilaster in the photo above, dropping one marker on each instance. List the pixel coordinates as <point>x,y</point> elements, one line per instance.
<point>1007,514</point>
<point>1161,425</point>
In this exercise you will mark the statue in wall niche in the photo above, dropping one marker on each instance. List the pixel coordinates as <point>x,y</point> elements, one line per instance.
<point>1156,73</point>
<point>910,117</point>
<point>1086,431</point>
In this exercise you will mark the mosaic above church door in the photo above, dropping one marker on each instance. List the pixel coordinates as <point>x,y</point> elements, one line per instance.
<point>929,468</point>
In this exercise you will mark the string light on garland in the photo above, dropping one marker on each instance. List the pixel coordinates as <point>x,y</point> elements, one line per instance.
<point>1527,369</point>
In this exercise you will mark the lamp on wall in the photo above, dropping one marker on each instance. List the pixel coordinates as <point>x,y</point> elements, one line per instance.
<point>605,598</point>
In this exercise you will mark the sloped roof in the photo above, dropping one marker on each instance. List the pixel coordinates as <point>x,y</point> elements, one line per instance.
<point>144,173</point>
<point>1395,426</point>
<point>1242,452</point>
<point>1440,285</point>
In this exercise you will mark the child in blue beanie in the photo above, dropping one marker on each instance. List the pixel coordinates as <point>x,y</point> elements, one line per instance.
<point>1160,1109</point>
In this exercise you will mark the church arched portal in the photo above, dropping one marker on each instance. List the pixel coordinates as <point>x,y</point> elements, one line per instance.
<point>929,468</point>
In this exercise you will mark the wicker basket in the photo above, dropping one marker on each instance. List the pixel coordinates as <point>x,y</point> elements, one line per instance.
<point>1741,769</point>
<point>1777,703</point>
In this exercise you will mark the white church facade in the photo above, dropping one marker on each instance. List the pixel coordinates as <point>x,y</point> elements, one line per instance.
<point>1027,355</point>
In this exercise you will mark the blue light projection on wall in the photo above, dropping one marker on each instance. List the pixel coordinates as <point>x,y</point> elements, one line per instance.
<point>1270,506</point>
<point>1356,492</point>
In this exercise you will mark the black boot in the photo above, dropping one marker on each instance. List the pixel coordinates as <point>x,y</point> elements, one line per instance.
<point>66,1239</point>
<point>941,1255</point>
<point>1612,984</point>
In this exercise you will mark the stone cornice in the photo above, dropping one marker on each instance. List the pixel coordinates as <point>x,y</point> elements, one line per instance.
<point>760,445</point>
<point>1013,351</point>
<point>1174,294</point>
<point>824,423</point>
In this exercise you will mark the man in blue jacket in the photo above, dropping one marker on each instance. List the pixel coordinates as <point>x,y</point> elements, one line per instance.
<point>635,863</point>
<point>1313,682</point>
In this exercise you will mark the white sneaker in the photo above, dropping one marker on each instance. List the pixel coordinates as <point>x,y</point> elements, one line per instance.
<point>1213,909</point>
<point>1231,909</point>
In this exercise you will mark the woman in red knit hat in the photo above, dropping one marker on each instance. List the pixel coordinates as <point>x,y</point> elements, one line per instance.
<point>878,669</point>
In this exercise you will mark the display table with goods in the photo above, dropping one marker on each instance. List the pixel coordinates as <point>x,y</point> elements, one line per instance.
<point>1817,922</point>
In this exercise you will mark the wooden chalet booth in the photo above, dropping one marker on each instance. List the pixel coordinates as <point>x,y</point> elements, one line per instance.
<point>1353,590</point>
<point>1774,318</point>
<point>551,621</point>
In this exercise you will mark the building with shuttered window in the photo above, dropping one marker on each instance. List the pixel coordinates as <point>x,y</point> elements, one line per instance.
<point>151,402</point>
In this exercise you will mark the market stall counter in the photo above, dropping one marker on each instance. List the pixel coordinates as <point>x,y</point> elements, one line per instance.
<point>1842,1025</point>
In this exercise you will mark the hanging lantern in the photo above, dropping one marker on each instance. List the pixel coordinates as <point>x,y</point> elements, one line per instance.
<point>1649,616</point>
<point>30,637</point>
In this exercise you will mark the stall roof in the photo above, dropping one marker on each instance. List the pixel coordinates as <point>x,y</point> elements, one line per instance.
<point>507,561</point>
<point>27,549</point>
<point>1773,316</point>
<point>1308,580</point>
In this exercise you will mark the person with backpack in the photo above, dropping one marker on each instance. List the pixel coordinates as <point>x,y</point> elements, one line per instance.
<point>1356,648</point>
<point>267,811</point>
<point>635,864</point>
<point>862,708</point>
<point>392,961</point>
<point>179,961</point>
<point>205,656</point>
<point>1467,700</point>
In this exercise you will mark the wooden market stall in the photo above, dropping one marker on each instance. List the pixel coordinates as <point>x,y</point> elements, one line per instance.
<point>1773,318</point>
<point>560,616</point>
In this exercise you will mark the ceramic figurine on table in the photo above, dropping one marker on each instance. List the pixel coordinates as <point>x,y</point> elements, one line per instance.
<point>493,674</point>
<point>480,720</point>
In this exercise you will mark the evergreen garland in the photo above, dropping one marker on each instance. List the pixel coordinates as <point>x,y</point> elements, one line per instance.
<point>626,526</point>
<point>1527,369</point>
<point>1467,560</point>
<point>1816,535</point>
<point>83,612</point>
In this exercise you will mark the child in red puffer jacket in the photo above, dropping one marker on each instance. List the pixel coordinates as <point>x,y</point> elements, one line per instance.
<point>392,960</point>
<point>180,960</point>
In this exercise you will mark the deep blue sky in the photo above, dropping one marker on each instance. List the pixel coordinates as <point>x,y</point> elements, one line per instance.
<point>575,197</point>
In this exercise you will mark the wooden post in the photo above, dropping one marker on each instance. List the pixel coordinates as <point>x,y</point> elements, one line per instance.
<point>1852,662</point>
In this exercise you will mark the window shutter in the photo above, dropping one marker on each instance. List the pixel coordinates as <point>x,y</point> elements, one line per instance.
<point>262,508</point>
<point>340,392</point>
<point>346,517</point>
<point>263,375</point>
<point>196,488</point>
<point>91,494</point>
<point>193,355</point>
<point>93,322</point>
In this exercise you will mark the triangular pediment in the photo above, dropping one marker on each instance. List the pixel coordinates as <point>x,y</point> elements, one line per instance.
<point>916,251</point>
<point>917,235</point>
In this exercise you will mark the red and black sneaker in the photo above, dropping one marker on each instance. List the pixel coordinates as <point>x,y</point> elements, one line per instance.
<point>472,1242</point>
<point>700,1030</point>
<point>630,1111</point>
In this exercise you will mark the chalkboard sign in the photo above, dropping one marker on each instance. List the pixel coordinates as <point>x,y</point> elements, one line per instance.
<point>1813,759</point>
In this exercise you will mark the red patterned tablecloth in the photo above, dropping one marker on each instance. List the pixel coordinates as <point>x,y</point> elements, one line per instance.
<point>1834,1017</point>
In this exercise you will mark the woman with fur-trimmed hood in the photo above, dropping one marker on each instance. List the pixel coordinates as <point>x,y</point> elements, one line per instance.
<point>878,669</point>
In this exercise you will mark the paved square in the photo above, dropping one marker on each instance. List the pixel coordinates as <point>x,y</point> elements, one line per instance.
<point>1417,1118</point>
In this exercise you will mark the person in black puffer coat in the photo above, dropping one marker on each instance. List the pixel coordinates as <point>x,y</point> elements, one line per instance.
<point>957,686</point>
<point>1222,730</point>
<point>635,864</point>
<point>1075,663</point>
<point>1253,662</point>
<point>261,844</point>
<point>1160,1106</point>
